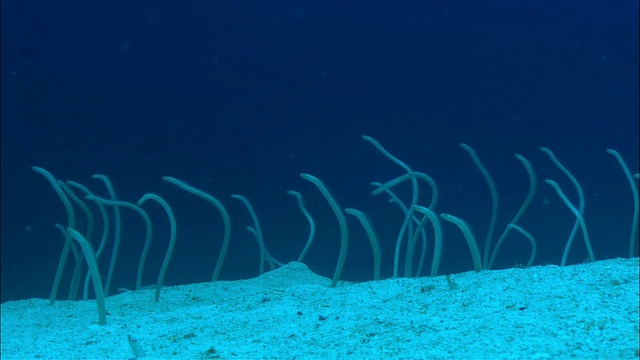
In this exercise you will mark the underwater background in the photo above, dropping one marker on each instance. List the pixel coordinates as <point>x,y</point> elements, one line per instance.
<point>240,97</point>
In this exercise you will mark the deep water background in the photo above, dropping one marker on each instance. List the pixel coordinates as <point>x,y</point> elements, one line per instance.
<point>241,97</point>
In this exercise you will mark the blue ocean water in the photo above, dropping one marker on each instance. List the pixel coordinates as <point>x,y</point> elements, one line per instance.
<point>241,97</point>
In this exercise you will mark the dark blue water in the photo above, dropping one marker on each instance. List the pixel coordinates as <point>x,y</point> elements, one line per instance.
<point>241,97</point>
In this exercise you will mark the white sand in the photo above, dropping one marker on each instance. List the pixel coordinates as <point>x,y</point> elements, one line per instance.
<point>587,311</point>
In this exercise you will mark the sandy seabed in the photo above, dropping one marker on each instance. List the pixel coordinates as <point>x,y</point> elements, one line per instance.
<point>587,311</point>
